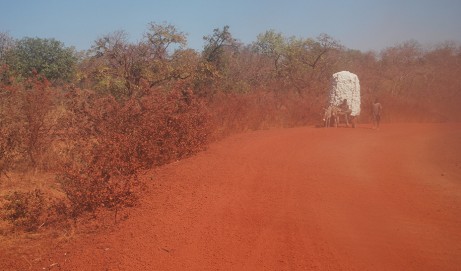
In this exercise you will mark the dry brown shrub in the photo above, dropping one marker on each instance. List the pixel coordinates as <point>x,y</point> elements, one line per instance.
<point>110,140</point>
<point>32,210</point>
<point>237,112</point>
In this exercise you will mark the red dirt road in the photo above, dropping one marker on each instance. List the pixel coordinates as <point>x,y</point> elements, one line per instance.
<point>296,199</point>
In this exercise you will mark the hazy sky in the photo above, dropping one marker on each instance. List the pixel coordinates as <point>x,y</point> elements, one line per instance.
<point>357,24</point>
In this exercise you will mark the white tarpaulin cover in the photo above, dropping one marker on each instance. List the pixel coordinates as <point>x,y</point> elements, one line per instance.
<point>345,85</point>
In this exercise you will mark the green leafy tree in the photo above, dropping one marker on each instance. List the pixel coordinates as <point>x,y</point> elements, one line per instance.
<point>162,37</point>
<point>214,68</point>
<point>216,45</point>
<point>167,56</point>
<point>123,68</point>
<point>6,44</point>
<point>111,66</point>
<point>47,57</point>
<point>310,62</point>
<point>272,45</point>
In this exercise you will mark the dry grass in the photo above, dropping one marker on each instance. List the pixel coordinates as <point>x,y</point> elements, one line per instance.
<point>29,180</point>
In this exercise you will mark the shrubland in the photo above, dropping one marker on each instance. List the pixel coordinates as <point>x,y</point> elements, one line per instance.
<point>77,128</point>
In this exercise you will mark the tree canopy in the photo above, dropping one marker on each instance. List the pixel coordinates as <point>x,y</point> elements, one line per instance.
<point>47,57</point>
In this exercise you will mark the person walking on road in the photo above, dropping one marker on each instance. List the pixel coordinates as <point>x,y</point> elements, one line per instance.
<point>377,110</point>
<point>346,111</point>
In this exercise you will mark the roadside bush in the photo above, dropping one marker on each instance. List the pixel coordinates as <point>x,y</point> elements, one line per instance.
<point>110,140</point>
<point>100,167</point>
<point>32,210</point>
<point>236,112</point>
<point>178,124</point>
<point>12,130</point>
<point>25,129</point>
<point>25,210</point>
<point>91,187</point>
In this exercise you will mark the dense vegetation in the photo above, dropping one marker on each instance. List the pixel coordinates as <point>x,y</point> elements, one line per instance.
<point>93,120</point>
